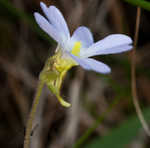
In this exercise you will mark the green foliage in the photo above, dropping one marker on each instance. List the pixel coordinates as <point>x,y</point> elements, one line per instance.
<point>121,136</point>
<point>141,3</point>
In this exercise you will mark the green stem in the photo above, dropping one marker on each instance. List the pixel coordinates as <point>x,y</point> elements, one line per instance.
<point>32,115</point>
<point>141,3</point>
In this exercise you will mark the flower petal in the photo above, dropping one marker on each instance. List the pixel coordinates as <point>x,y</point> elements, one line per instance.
<point>97,66</point>
<point>91,64</point>
<point>47,27</point>
<point>56,19</point>
<point>113,50</point>
<point>116,43</point>
<point>84,35</point>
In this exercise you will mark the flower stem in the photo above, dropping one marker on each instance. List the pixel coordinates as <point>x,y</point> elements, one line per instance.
<point>32,115</point>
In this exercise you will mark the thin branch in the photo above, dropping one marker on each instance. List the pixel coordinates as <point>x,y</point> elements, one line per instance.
<point>133,73</point>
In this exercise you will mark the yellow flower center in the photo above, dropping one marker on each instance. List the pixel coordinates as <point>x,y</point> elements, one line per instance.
<point>76,49</point>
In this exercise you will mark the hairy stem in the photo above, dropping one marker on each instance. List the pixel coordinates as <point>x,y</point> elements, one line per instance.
<point>32,115</point>
<point>133,73</point>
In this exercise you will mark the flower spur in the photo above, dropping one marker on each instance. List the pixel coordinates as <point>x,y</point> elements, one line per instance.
<point>74,50</point>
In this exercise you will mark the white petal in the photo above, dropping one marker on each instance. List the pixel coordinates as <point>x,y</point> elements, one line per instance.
<point>97,66</point>
<point>84,35</point>
<point>47,27</point>
<point>116,43</point>
<point>113,50</point>
<point>91,64</point>
<point>56,19</point>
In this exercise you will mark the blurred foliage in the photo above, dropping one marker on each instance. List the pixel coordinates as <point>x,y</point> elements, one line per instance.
<point>19,14</point>
<point>121,136</point>
<point>97,119</point>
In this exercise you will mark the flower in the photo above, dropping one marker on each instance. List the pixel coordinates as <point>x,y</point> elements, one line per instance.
<point>76,49</point>
<point>80,46</point>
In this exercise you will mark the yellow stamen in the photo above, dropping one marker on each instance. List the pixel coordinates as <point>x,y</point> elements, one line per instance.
<point>76,49</point>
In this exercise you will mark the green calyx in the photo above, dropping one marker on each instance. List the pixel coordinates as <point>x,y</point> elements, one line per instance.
<point>54,72</point>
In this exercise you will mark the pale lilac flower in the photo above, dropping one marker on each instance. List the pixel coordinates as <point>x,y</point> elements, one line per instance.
<point>80,46</point>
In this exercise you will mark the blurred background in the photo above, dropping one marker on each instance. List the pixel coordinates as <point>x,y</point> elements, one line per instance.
<point>102,112</point>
